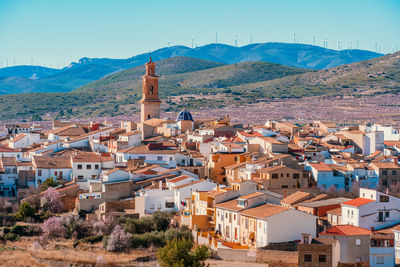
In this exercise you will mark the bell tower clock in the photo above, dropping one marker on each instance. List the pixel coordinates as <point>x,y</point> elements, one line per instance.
<point>150,103</point>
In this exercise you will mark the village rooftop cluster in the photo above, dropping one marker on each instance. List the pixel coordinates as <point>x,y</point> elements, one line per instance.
<point>319,193</point>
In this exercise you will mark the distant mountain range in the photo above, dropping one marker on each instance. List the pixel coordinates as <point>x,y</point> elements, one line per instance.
<point>33,79</point>
<point>198,84</point>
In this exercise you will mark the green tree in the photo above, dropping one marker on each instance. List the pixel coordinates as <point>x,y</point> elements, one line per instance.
<point>25,211</point>
<point>161,220</point>
<point>49,182</point>
<point>178,253</point>
<point>36,117</point>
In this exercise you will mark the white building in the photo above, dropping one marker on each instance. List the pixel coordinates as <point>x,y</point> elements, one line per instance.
<point>371,209</point>
<point>90,166</point>
<point>152,200</point>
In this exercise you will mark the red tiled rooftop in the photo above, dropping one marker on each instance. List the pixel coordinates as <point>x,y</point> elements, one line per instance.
<point>357,202</point>
<point>321,167</point>
<point>346,230</point>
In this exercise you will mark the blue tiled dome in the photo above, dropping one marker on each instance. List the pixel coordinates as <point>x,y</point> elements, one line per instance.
<point>184,115</point>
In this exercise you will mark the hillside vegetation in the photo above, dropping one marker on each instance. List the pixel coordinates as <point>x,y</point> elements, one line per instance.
<point>204,84</point>
<point>34,79</point>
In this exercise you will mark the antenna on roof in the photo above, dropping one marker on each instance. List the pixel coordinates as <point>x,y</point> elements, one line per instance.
<point>14,61</point>
<point>251,39</point>
<point>313,40</point>
<point>357,44</point>
<point>294,37</point>
<point>192,42</point>
<point>31,61</point>
<point>236,37</point>
<point>168,43</point>
<point>216,37</point>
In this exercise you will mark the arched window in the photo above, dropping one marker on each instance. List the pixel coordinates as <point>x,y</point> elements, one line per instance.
<point>151,89</point>
<point>148,116</point>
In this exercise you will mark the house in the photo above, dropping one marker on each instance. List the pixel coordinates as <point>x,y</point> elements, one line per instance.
<point>371,209</point>
<point>52,167</point>
<point>321,252</point>
<point>396,231</point>
<point>366,142</point>
<point>334,216</point>
<point>87,166</point>
<point>324,176</point>
<point>8,176</point>
<point>295,198</point>
<point>280,176</point>
<point>268,223</point>
<point>153,154</point>
<point>227,221</point>
<point>354,242</point>
<point>182,193</point>
<point>10,152</point>
<point>382,249</point>
<point>217,163</point>
<point>269,144</point>
<point>388,173</point>
<point>150,201</point>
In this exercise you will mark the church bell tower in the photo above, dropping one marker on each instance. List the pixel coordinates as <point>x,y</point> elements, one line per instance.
<point>150,103</point>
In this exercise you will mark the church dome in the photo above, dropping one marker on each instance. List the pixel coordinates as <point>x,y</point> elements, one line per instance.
<point>184,115</point>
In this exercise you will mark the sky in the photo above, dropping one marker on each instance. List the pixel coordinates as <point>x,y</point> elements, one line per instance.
<point>54,33</point>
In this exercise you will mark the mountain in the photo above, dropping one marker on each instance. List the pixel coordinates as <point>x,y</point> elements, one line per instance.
<point>118,93</point>
<point>87,70</point>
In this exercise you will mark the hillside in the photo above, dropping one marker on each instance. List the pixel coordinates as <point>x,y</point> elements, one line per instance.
<point>217,86</point>
<point>376,76</point>
<point>91,69</point>
<point>118,94</point>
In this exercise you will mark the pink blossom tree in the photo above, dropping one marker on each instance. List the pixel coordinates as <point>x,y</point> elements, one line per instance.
<point>53,227</point>
<point>118,240</point>
<point>51,201</point>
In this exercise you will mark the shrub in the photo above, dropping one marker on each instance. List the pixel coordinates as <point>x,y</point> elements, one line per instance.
<point>178,253</point>
<point>118,240</point>
<point>11,237</point>
<point>25,211</point>
<point>54,227</point>
<point>93,239</point>
<point>7,220</point>
<point>19,230</point>
<point>161,220</point>
<point>71,223</point>
<point>49,182</point>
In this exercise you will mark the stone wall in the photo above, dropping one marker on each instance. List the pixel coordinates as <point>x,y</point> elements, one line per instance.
<point>270,256</point>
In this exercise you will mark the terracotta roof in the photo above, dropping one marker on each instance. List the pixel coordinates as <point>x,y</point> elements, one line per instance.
<point>24,163</point>
<point>316,198</point>
<point>229,205</point>
<point>191,183</point>
<point>273,168</point>
<point>324,202</point>
<point>250,134</point>
<point>9,161</point>
<point>357,202</point>
<point>337,211</point>
<point>179,178</point>
<point>4,149</point>
<point>131,133</point>
<point>347,230</point>
<point>375,154</point>
<point>321,167</point>
<point>47,162</point>
<point>18,137</point>
<point>392,143</point>
<point>385,165</point>
<point>144,150</point>
<point>252,195</point>
<point>296,197</point>
<point>263,211</point>
<point>270,140</point>
<point>90,157</point>
<point>69,130</point>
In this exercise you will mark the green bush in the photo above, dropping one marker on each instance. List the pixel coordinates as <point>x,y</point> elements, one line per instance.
<point>93,239</point>
<point>19,230</point>
<point>25,211</point>
<point>10,237</point>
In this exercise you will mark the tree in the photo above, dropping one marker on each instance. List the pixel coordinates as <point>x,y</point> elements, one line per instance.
<point>25,211</point>
<point>49,182</point>
<point>118,240</point>
<point>177,253</point>
<point>51,201</point>
<point>53,227</point>
<point>161,220</point>
<point>355,188</point>
<point>36,117</point>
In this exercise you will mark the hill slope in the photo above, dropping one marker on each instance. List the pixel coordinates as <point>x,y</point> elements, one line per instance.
<point>91,69</point>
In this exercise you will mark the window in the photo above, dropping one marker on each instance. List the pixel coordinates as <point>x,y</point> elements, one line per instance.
<point>384,172</point>
<point>358,242</point>
<point>274,176</point>
<point>393,172</point>
<point>296,176</point>
<point>39,172</point>
<point>287,175</point>
<point>159,158</point>
<point>142,157</point>
<point>55,173</point>
<point>88,167</point>
<point>380,260</point>
<point>387,213</point>
<point>80,177</point>
<point>281,174</point>
<point>322,258</point>
<point>234,217</point>
<point>152,206</point>
<point>307,258</point>
<point>79,166</point>
<point>383,198</point>
<point>96,166</point>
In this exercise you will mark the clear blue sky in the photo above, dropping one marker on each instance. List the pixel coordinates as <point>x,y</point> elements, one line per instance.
<point>54,32</point>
